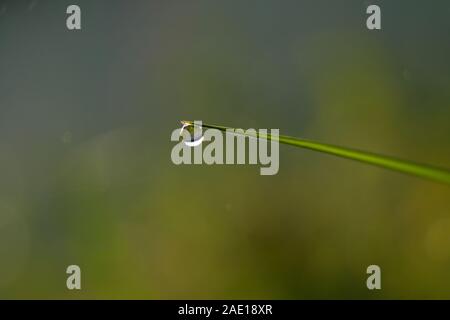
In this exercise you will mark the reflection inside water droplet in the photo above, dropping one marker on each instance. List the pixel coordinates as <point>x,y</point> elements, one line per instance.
<point>195,133</point>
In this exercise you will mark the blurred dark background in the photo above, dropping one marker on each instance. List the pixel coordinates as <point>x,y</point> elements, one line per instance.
<point>86,176</point>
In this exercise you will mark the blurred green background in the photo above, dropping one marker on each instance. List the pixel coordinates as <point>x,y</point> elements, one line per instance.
<point>86,176</point>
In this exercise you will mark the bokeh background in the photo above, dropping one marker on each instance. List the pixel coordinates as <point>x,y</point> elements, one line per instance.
<point>86,176</point>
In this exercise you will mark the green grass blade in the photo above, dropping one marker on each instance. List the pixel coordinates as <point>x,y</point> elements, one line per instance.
<point>404,166</point>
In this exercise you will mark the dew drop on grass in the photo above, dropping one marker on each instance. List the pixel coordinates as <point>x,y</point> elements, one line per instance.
<point>195,133</point>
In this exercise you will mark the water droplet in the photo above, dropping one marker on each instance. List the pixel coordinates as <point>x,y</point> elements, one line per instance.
<point>195,133</point>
